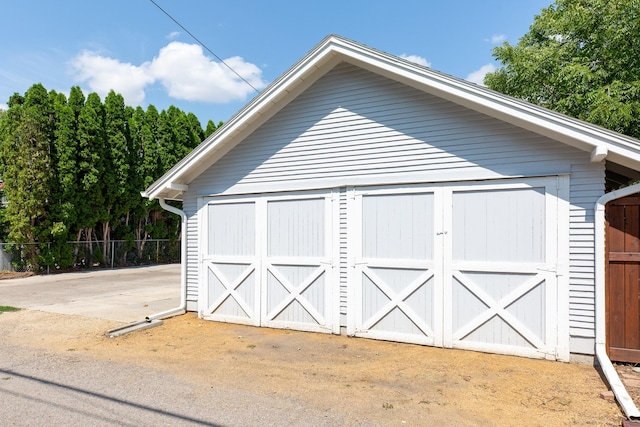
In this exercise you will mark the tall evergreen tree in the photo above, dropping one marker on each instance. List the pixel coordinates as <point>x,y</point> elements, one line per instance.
<point>74,168</point>
<point>211,127</point>
<point>91,208</point>
<point>26,168</point>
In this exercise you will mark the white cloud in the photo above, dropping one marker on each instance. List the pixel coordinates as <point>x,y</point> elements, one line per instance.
<point>188,74</point>
<point>173,35</point>
<point>498,38</point>
<point>4,107</point>
<point>417,59</point>
<point>183,69</point>
<point>104,74</point>
<point>477,76</point>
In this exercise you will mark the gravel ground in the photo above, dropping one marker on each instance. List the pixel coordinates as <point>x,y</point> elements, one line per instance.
<point>60,369</point>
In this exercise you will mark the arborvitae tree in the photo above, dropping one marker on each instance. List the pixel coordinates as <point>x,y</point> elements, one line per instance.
<point>91,208</point>
<point>64,215</point>
<point>26,168</point>
<point>71,165</point>
<point>196,130</point>
<point>211,127</point>
<point>147,168</point>
<point>118,164</point>
<point>168,146</point>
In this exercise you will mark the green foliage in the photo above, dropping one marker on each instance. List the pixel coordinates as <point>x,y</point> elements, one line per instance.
<point>26,166</point>
<point>73,169</point>
<point>211,127</point>
<point>581,58</point>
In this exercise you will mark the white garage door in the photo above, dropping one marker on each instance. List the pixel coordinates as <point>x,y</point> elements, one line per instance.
<point>269,261</point>
<point>458,266</point>
<point>396,292</point>
<point>230,286</point>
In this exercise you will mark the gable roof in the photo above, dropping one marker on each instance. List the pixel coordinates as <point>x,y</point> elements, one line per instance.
<point>600,142</point>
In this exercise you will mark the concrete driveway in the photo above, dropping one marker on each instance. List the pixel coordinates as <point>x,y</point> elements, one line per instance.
<point>124,295</point>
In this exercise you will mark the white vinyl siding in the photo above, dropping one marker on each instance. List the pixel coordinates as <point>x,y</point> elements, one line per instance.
<point>587,185</point>
<point>342,219</point>
<point>190,208</point>
<point>353,127</point>
<point>353,124</point>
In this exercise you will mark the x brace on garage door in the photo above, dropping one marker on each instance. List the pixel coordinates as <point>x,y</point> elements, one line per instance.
<point>472,266</point>
<point>468,266</point>
<point>271,261</point>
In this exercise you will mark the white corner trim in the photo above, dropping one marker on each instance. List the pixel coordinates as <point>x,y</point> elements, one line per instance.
<point>599,153</point>
<point>177,187</point>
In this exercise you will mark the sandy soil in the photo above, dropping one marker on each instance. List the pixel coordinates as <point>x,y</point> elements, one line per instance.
<point>370,382</point>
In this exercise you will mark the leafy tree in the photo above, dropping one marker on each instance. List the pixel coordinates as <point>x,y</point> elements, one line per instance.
<point>581,58</point>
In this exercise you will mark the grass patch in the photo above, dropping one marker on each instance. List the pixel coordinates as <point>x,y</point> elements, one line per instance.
<point>7,308</point>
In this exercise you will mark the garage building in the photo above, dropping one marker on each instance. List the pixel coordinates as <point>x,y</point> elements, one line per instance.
<point>364,194</point>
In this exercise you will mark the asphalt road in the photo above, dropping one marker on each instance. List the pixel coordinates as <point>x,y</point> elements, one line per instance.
<point>40,388</point>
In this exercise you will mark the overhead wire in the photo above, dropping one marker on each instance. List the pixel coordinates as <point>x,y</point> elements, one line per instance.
<point>203,45</point>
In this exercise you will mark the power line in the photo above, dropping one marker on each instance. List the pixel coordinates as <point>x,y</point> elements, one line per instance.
<point>204,45</point>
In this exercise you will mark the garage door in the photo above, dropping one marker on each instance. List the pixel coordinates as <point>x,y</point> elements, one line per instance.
<point>268,261</point>
<point>470,266</point>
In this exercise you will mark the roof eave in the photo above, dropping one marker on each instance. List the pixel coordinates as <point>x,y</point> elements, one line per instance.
<point>333,49</point>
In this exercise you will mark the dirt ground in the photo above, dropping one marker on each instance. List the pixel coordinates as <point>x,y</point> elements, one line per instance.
<point>369,382</point>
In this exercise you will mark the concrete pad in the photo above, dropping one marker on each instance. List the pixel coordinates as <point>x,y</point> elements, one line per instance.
<point>123,295</point>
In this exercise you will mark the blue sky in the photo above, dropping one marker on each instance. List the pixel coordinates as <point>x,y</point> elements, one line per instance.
<point>134,48</point>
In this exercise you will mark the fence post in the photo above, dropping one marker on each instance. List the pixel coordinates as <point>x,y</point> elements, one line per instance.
<point>112,253</point>
<point>157,250</point>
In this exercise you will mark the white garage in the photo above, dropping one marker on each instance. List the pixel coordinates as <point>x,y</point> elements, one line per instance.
<point>366,195</point>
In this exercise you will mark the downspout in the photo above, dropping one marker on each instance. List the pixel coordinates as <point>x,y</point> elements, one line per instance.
<point>620,392</point>
<point>182,308</point>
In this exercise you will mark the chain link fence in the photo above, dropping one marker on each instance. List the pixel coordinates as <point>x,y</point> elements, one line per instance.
<point>19,257</point>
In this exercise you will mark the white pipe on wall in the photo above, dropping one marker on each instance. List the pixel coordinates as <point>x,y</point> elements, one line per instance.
<point>182,308</point>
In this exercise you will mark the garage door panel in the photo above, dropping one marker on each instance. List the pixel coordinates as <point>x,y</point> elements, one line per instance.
<point>231,229</point>
<point>501,254</point>
<point>296,228</point>
<point>231,295</point>
<point>505,225</point>
<point>497,331</point>
<point>297,263</point>
<point>394,267</point>
<point>230,263</point>
<point>521,305</point>
<point>392,229</point>
<point>488,252</point>
<point>295,294</point>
